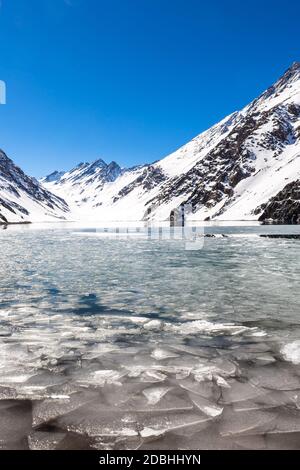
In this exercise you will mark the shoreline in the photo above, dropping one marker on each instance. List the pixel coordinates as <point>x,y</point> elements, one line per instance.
<point>189,222</point>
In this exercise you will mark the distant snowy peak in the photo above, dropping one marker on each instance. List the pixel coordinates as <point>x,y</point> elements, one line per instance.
<point>229,172</point>
<point>24,199</point>
<point>90,172</point>
<point>55,176</point>
<point>83,182</point>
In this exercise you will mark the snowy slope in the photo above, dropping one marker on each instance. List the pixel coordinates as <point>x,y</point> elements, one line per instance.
<point>226,173</point>
<point>126,195</point>
<point>23,199</point>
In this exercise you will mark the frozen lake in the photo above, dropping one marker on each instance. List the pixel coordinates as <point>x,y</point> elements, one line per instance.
<point>131,343</point>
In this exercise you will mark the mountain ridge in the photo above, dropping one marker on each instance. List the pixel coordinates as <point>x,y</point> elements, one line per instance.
<point>232,171</point>
<point>24,199</point>
<point>227,172</point>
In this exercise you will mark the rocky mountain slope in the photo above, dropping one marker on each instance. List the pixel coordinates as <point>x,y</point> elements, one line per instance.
<point>23,199</point>
<point>229,172</point>
<point>284,207</point>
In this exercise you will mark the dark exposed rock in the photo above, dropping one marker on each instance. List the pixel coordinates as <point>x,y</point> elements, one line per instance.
<point>3,219</point>
<point>294,109</point>
<point>290,236</point>
<point>284,208</point>
<point>149,179</point>
<point>214,179</point>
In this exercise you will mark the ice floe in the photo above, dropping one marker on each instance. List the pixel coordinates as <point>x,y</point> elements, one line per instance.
<point>155,394</point>
<point>291,352</point>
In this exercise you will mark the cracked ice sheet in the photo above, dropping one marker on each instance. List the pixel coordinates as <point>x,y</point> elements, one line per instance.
<point>207,327</point>
<point>155,394</point>
<point>246,422</point>
<point>275,377</point>
<point>97,420</point>
<point>49,409</point>
<point>158,398</point>
<point>187,423</point>
<point>38,440</point>
<point>15,424</point>
<point>207,407</point>
<point>240,391</point>
<point>102,377</point>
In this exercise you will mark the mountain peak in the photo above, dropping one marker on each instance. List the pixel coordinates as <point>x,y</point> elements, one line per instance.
<point>295,65</point>
<point>290,77</point>
<point>228,172</point>
<point>113,164</point>
<point>3,156</point>
<point>54,176</point>
<point>81,164</point>
<point>292,73</point>
<point>99,163</point>
<point>286,88</point>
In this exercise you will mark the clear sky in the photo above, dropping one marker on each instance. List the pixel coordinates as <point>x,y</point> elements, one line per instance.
<point>132,80</point>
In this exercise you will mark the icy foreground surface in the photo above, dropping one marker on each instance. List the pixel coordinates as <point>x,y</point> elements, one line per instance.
<point>127,344</point>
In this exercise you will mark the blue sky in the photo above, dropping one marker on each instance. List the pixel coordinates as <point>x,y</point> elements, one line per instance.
<point>132,80</point>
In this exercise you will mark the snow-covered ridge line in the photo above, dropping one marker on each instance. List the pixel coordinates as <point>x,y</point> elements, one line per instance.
<point>23,199</point>
<point>229,172</point>
<point>246,167</point>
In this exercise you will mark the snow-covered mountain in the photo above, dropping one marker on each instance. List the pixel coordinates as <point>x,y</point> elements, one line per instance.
<point>24,199</point>
<point>55,176</point>
<point>229,172</point>
<point>83,183</point>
